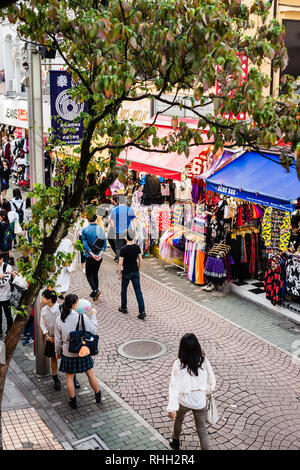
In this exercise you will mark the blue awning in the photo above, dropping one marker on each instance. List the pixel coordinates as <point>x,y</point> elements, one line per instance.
<point>258,178</point>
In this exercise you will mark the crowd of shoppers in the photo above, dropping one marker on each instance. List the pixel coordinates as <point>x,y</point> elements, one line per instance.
<point>192,377</point>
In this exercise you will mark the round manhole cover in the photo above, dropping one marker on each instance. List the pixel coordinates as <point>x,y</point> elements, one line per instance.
<point>142,349</point>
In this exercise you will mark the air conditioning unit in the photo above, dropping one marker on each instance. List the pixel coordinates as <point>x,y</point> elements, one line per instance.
<point>12,85</point>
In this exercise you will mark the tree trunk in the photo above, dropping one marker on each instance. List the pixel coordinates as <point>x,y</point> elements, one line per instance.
<point>50,246</point>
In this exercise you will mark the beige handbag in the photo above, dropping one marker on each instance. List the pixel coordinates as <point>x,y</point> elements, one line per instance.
<point>212,416</point>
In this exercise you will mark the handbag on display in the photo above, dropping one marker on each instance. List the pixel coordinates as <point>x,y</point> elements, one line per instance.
<point>82,339</point>
<point>165,189</point>
<point>212,416</point>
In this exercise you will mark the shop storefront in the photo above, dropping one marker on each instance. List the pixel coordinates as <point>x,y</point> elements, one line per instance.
<point>233,227</point>
<point>263,235</point>
<point>14,136</point>
<point>165,183</point>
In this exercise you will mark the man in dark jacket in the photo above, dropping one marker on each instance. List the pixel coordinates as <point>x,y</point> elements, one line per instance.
<point>93,253</point>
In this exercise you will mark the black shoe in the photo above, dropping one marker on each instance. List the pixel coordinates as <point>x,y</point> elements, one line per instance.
<point>76,383</point>
<point>123,310</point>
<point>92,294</point>
<point>141,316</point>
<point>116,258</point>
<point>98,397</point>
<point>56,383</point>
<point>174,444</point>
<point>72,403</point>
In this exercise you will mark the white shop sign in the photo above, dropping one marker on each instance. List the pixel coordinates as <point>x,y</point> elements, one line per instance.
<point>15,113</point>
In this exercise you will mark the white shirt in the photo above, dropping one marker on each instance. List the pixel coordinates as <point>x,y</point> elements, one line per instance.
<point>5,289</point>
<point>27,215</point>
<point>63,279</point>
<point>18,202</point>
<point>190,390</point>
<point>79,226</point>
<point>183,190</point>
<point>12,216</point>
<point>48,319</point>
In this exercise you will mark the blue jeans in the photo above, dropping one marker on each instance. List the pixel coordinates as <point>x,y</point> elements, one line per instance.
<point>135,279</point>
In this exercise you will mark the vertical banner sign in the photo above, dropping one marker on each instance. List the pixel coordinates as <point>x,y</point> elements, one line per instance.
<point>64,110</point>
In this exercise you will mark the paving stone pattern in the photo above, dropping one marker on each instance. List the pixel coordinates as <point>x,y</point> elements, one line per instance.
<point>257,384</point>
<point>243,312</point>
<point>116,426</point>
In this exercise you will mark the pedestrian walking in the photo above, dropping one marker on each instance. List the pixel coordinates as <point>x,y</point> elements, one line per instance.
<point>80,225</point>
<point>6,234</point>
<point>111,234</point>
<point>6,273</point>
<point>28,332</point>
<point>4,178</point>
<point>28,218</point>
<point>192,379</point>
<point>121,220</point>
<point>72,363</point>
<point>130,260</point>
<point>63,279</point>
<point>94,244</point>
<point>49,314</point>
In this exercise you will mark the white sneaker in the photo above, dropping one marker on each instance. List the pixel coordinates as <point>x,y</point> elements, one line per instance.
<point>210,288</point>
<point>83,270</point>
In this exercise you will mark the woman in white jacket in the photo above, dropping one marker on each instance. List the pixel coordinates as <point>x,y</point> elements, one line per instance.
<point>192,379</point>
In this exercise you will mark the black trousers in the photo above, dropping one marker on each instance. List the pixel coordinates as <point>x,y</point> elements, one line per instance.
<point>82,257</point>
<point>5,305</point>
<point>91,270</point>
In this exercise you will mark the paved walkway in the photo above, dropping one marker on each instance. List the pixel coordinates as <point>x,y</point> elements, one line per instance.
<point>257,382</point>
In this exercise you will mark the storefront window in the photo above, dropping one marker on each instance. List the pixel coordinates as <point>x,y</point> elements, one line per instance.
<point>292,43</point>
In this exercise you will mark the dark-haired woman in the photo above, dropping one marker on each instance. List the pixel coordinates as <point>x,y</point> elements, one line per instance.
<point>72,363</point>
<point>17,204</point>
<point>6,235</point>
<point>4,177</point>
<point>192,379</point>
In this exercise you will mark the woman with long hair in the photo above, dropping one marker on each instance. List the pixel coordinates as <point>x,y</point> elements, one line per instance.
<point>72,363</point>
<point>4,176</point>
<point>5,239</point>
<point>192,379</point>
<point>17,204</point>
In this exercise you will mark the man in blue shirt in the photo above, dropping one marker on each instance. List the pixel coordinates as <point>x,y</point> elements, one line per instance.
<point>94,244</point>
<point>121,219</point>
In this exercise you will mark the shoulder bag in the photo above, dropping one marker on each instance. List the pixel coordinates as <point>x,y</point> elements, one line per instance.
<point>212,416</point>
<point>82,339</point>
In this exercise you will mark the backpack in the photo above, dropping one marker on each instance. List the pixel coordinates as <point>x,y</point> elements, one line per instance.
<point>8,236</point>
<point>20,212</point>
<point>7,277</point>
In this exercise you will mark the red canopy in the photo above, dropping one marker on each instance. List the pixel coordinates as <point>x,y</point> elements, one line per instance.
<point>167,165</point>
